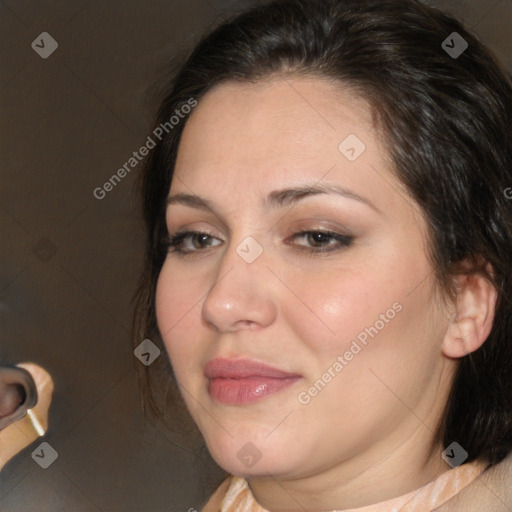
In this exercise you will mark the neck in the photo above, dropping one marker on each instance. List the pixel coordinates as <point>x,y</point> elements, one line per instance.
<point>352,483</point>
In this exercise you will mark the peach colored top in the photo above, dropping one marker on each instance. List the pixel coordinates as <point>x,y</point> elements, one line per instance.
<point>234,494</point>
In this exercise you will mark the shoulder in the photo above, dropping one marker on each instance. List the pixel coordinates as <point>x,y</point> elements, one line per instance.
<point>492,490</point>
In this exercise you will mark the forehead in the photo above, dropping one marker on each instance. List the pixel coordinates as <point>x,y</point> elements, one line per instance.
<point>274,122</point>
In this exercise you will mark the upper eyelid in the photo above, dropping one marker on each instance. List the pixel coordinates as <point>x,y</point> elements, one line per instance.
<point>198,231</point>
<point>221,221</point>
<point>310,224</point>
<point>320,212</point>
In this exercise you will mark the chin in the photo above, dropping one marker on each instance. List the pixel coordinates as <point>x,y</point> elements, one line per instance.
<point>252,458</point>
<point>263,468</point>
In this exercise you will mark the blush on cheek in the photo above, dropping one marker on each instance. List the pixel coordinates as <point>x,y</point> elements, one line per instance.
<point>170,302</point>
<point>177,320</point>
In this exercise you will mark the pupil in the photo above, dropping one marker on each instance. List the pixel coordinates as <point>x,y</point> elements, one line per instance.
<point>318,237</point>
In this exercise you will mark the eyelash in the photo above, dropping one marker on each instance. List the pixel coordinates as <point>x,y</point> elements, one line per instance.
<point>175,242</point>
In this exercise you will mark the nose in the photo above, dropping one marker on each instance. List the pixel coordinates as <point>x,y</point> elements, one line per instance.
<point>243,294</point>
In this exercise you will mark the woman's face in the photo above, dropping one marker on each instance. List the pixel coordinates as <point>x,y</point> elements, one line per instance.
<point>348,317</point>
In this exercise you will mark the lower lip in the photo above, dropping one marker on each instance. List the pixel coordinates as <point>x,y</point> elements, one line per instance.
<point>247,390</point>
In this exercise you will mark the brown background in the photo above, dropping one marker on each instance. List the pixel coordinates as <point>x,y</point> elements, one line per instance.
<point>69,262</point>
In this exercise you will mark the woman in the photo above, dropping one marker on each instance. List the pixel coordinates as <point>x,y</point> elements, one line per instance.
<point>327,262</point>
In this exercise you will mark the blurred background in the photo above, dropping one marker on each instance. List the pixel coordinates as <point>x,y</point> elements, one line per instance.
<point>69,261</point>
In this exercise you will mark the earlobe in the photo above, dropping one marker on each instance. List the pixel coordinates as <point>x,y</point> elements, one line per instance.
<point>473,317</point>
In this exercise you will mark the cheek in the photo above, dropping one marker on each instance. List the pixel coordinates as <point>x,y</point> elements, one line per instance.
<point>374,336</point>
<point>381,312</point>
<point>177,306</point>
<point>332,308</point>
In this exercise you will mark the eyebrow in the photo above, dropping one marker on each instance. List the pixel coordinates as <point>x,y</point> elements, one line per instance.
<point>277,198</point>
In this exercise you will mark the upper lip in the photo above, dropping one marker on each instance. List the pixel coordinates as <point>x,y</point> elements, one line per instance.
<point>242,368</point>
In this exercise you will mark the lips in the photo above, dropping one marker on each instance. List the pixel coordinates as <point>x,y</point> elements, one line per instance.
<point>242,368</point>
<point>243,381</point>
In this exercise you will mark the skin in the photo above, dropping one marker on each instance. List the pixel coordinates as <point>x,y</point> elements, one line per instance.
<point>368,435</point>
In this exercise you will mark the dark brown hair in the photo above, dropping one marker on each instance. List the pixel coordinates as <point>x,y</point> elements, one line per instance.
<point>446,121</point>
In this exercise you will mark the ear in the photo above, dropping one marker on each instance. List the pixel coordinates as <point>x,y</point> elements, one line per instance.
<point>472,320</point>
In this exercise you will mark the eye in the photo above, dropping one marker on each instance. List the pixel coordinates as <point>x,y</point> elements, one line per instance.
<point>188,242</point>
<point>178,241</point>
<point>321,241</point>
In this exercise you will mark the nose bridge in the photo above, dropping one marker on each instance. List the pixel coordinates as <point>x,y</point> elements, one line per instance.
<point>240,292</point>
<point>244,253</point>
